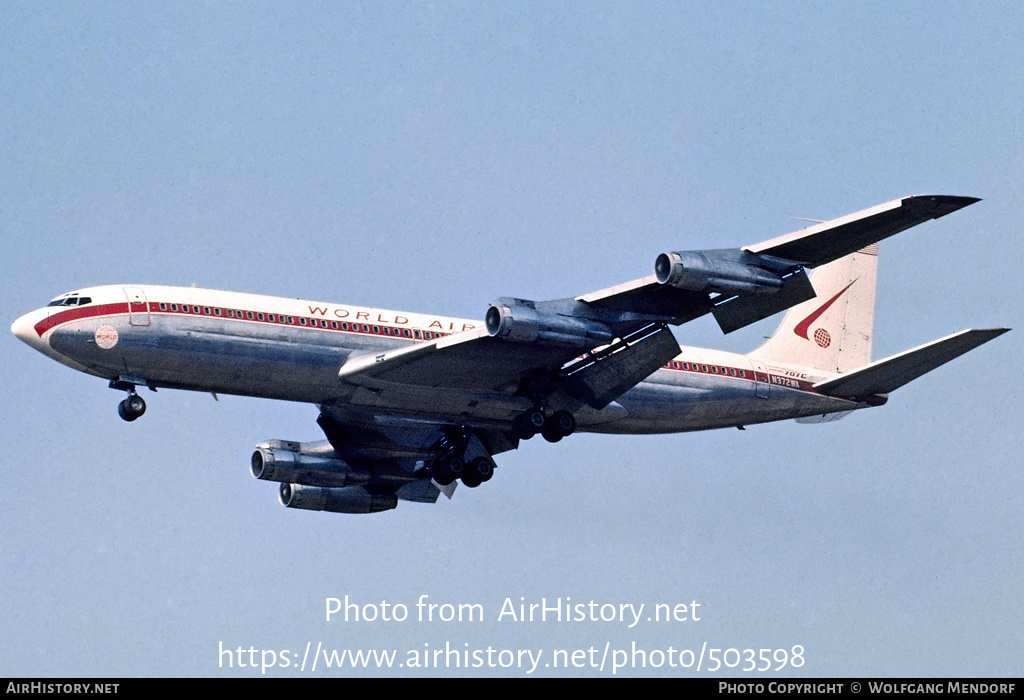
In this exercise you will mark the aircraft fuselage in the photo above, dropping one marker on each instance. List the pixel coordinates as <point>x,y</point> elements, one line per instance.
<point>289,349</point>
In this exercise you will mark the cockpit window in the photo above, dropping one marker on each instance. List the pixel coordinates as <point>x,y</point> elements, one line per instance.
<point>70,300</point>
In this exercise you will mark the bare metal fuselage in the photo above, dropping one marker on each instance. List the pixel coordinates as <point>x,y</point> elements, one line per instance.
<point>250,345</point>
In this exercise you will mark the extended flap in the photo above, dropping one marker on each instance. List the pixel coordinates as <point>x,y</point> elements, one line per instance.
<point>606,375</point>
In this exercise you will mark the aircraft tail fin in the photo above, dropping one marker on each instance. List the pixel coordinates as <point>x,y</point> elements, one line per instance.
<point>893,372</point>
<point>832,331</point>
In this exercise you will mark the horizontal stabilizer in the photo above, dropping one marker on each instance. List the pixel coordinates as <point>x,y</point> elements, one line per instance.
<point>887,375</point>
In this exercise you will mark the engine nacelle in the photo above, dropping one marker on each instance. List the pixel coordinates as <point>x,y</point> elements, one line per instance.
<point>287,466</point>
<point>354,499</point>
<point>520,321</point>
<point>697,272</point>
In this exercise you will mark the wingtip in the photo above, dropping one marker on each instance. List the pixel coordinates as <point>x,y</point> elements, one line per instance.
<point>984,335</point>
<point>940,204</point>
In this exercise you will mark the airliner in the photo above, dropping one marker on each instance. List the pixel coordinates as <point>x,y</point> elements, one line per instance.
<point>411,404</point>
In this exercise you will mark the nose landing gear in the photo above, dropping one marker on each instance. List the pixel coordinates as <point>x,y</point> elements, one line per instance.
<point>132,407</point>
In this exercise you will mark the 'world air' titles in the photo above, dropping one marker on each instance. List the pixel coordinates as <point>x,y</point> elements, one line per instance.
<point>592,611</point>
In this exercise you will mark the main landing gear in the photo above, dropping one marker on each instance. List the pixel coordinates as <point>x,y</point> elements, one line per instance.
<point>559,425</point>
<point>448,469</point>
<point>462,456</point>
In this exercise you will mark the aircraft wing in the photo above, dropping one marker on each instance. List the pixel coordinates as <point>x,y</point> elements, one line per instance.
<point>831,240</point>
<point>468,361</point>
<point>365,439</point>
<point>784,256</point>
<point>473,366</point>
<point>594,347</point>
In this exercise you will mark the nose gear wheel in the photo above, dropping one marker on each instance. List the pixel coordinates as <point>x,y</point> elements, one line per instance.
<point>132,407</point>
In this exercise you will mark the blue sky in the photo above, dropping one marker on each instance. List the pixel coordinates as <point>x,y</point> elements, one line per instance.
<point>432,157</point>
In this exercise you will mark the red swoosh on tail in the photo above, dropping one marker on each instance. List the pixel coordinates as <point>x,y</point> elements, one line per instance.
<point>802,327</point>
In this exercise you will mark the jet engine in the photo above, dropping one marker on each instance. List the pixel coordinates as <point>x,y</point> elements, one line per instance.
<point>698,272</point>
<point>275,461</point>
<point>354,499</point>
<point>520,321</point>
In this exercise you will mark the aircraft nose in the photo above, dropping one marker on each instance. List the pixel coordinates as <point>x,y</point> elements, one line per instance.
<point>24,328</point>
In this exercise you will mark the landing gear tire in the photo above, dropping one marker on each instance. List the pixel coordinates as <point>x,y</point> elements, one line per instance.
<point>131,408</point>
<point>561,425</point>
<point>478,471</point>
<point>564,423</point>
<point>528,424</point>
<point>551,433</point>
<point>448,470</point>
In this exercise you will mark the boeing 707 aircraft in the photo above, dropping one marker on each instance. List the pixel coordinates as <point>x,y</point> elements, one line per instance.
<point>412,403</point>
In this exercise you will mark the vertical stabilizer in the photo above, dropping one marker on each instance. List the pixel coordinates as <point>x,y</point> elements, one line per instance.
<point>831,332</point>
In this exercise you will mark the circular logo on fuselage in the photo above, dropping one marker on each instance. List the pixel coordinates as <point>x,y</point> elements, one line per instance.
<point>106,337</point>
<point>822,338</point>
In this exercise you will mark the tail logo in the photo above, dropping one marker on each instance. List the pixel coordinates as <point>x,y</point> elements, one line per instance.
<point>821,336</point>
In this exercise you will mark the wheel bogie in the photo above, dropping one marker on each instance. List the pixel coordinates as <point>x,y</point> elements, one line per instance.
<point>558,425</point>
